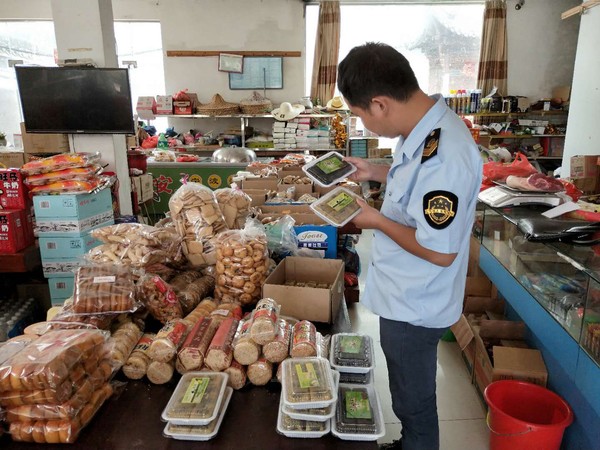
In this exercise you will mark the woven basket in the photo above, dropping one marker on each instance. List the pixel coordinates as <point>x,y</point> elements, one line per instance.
<point>218,107</point>
<point>256,104</point>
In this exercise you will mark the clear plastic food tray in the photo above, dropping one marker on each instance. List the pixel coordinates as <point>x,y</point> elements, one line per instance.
<point>314,414</point>
<point>356,378</point>
<point>296,428</point>
<point>337,207</point>
<point>196,399</point>
<point>199,432</point>
<point>329,169</point>
<point>364,414</point>
<point>307,383</point>
<point>351,353</point>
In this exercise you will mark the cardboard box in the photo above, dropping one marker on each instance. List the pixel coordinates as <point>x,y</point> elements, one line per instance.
<point>183,107</point>
<point>12,238</point>
<point>478,286</point>
<point>13,192</point>
<point>77,206</point>
<point>317,305</point>
<point>465,337</point>
<point>27,221</point>
<point>71,227</point>
<point>298,188</point>
<point>61,248</point>
<point>143,187</point>
<point>164,104</point>
<point>12,159</point>
<point>587,185</point>
<point>269,183</point>
<point>584,166</point>
<point>474,250</point>
<point>44,143</point>
<point>60,268</point>
<point>259,196</point>
<point>509,362</point>
<point>146,107</point>
<point>61,288</point>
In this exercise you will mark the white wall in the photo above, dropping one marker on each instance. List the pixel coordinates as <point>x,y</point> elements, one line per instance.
<point>541,47</point>
<point>583,132</point>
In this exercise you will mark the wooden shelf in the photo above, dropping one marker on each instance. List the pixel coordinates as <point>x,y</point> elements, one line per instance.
<point>244,116</point>
<point>516,114</point>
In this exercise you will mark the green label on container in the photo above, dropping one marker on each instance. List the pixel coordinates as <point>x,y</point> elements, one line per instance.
<point>357,406</point>
<point>307,376</point>
<point>195,390</point>
<point>340,201</point>
<point>330,164</point>
<point>350,344</point>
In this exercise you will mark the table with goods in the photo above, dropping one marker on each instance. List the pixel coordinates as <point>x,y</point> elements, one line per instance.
<point>190,330</point>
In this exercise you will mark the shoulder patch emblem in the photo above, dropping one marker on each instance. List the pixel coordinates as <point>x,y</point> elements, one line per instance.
<point>431,145</point>
<point>439,208</point>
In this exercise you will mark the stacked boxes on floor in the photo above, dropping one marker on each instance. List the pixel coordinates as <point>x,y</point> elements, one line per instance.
<point>64,223</point>
<point>16,225</point>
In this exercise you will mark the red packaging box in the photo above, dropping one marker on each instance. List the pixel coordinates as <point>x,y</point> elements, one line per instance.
<point>27,223</point>
<point>13,192</point>
<point>183,107</point>
<point>12,239</point>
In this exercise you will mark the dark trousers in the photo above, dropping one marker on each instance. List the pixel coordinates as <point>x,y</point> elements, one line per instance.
<point>411,355</point>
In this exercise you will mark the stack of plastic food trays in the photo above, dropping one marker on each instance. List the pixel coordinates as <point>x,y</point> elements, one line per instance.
<point>358,415</point>
<point>196,408</point>
<point>308,398</point>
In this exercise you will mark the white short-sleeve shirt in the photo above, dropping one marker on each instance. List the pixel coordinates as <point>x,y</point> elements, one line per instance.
<point>432,186</point>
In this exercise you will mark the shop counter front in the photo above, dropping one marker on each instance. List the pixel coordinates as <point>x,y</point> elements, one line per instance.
<point>167,176</point>
<point>130,419</point>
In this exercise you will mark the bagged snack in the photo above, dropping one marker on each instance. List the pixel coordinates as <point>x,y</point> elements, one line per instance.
<point>242,263</point>
<point>245,350</point>
<point>194,292</point>
<point>137,364</point>
<point>161,372</point>
<point>69,187</point>
<point>60,162</point>
<point>159,297</point>
<point>67,318</point>
<point>167,341</point>
<point>304,340</point>
<point>237,375</point>
<point>80,174</point>
<point>235,206</point>
<point>264,321</point>
<point>135,244</point>
<point>104,289</point>
<point>220,351</point>
<point>197,218</point>
<point>195,347</point>
<point>46,362</point>
<point>204,308</point>
<point>122,342</point>
<point>278,349</point>
<point>260,372</point>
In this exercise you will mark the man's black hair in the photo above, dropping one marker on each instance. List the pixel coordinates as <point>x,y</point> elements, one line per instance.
<point>375,69</point>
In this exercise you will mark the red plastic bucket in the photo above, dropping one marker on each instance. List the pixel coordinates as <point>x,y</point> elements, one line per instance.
<point>525,416</point>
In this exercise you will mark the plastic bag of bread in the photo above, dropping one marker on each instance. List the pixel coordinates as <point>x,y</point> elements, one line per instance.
<point>67,318</point>
<point>70,186</point>
<point>159,297</point>
<point>204,309</point>
<point>60,431</point>
<point>79,173</point>
<point>278,349</point>
<point>193,292</point>
<point>122,342</point>
<point>245,350</point>
<point>242,263</point>
<point>60,162</point>
<point>235,206</point>
<point>198,219</point>
<point>46,362</point>
<point>135,244</point>
<point>104,289</point>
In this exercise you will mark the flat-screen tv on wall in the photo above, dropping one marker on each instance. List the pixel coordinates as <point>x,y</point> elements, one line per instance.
<point>75,99</point>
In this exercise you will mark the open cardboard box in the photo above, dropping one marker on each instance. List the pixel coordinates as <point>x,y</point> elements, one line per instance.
<point>304,303</point>
<point>269,183</point>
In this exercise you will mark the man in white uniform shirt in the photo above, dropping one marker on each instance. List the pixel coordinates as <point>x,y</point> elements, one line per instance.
<point>421,236</point>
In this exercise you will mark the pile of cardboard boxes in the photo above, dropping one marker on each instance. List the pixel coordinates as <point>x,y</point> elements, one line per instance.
<point>493,348</point>
<point>16,226</point>
<point>64,223</point>
<point>34,145</point>
<point>585,174</point>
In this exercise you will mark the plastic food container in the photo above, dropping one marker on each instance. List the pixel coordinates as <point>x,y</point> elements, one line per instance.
<point>296,428</point>
<point>307,383</point>
<point>329,169</point>
<point>196,399</point>
<point>351,353</point>
<point>358,415</point>
<point>313,414</point>
<point>356,378</point>
<point>199,432</point>
<point>337,207</point>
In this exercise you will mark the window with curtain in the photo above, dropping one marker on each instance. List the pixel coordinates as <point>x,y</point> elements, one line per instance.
<point>139,47</point>
<point>441,41</point>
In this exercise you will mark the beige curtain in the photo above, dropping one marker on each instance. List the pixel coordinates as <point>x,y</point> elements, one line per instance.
<point>327,46</point>
<point>492,59</point>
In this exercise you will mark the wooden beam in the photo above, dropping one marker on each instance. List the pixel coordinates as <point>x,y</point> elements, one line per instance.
<point>579,9</point>
<point>202,53</point>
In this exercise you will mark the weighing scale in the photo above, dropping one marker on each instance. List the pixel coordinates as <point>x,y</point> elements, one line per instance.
<point>499,196</point>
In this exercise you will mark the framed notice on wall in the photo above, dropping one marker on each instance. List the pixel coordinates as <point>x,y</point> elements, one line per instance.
<point>259,73</point>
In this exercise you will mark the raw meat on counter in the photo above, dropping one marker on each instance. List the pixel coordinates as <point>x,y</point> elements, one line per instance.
<point>536,182</point>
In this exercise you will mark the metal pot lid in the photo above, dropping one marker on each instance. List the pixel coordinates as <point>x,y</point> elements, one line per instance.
<point>234,155</point>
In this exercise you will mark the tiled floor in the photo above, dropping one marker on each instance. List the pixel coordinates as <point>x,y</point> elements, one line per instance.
<point>461,412</point>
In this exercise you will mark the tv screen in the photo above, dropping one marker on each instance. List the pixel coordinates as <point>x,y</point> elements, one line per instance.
<point>75,99</point>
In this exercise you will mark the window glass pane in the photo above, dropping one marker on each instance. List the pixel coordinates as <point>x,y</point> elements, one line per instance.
<point>31,42</point>
<point>441,42</point>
